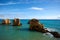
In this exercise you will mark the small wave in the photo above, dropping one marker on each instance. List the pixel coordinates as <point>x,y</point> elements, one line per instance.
<point>51,29</point>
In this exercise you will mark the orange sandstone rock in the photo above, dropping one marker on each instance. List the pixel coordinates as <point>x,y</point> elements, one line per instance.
<point>36,26</point>
<point>6,21</point>
<point>16,22</point>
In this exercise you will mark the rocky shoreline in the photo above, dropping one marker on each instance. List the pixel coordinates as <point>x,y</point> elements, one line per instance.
<point>34,24</point>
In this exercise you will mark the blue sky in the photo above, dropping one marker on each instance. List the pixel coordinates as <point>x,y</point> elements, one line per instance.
<point>28,9</point>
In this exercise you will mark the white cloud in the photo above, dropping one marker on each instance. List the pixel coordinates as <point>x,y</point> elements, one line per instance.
<point>49,17</point>
<point>36,8</point>
<point>27,1</point>
<point>58,17</point>
<point>9,3</point>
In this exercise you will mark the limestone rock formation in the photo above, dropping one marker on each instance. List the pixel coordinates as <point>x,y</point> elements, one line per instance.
<point>6,21</point>
<point>55,34</point>
<point>36,26</point>
<point>16,22</point>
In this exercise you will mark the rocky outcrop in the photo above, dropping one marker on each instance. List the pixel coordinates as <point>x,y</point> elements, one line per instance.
<point>16,22</point>
<point>36,26</point>
<point>55,34</point>
<point>6,21</point>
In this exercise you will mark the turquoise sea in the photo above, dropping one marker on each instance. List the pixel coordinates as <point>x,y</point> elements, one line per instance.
<point>9,32</point>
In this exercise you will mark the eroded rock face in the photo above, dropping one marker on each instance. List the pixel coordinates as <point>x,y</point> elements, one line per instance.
<point>55,34</point>
<point>36,26</point>
<point>6,21</point>
<point>16,22</point>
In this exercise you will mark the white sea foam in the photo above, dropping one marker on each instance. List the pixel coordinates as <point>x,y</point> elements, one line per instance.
<point>51,29</point>
<point>49,34</point>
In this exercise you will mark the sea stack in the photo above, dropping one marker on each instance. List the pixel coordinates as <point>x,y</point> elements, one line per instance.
<point>6,21</point>
<point>16,22</point>
<point>36,26</point>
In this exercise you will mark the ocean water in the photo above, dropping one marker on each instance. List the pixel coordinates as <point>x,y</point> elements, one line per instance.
<point>9,32</point>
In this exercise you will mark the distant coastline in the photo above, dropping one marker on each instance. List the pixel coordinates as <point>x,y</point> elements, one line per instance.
<point>36,18</point>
